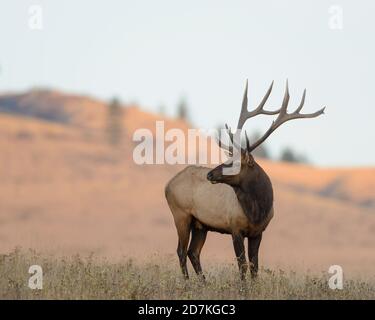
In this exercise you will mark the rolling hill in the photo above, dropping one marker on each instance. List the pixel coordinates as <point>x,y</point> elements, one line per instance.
<point>65,189</point>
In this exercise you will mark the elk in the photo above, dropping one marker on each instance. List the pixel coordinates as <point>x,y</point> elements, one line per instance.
<point>203,199</point>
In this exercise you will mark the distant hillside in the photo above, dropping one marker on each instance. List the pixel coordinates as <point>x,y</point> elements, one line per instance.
<point>79,111</point>
<point>44,104</point>
<point>64,189</point>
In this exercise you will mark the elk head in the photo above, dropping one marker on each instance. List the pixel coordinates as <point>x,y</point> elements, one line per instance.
<point>247,168</point>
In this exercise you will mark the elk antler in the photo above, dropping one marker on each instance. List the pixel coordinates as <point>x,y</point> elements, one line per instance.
<point>245,115</point>
<point>283,116</point>
<point>231,137</point>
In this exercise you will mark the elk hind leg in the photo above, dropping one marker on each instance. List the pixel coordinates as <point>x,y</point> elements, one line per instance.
<point>198,238</point>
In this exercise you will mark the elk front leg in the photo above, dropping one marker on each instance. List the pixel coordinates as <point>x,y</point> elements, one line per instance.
<point>253,249</point>
<point>198,238</point>
<point>239,249</point>
<point>183,230</point>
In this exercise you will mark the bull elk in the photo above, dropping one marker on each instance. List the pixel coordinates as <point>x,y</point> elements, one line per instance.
<point>241,205</point>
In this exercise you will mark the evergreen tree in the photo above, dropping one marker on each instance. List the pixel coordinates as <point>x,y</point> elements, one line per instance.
<point>114,126</point>
<point>182,110</point>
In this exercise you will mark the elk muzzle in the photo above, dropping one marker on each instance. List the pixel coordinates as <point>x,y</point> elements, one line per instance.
<point>214,176</point>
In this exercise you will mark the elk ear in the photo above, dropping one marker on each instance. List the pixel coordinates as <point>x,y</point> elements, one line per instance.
<point>249,159</point>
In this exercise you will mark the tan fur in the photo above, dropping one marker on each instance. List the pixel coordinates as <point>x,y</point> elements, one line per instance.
<point>190,194</point>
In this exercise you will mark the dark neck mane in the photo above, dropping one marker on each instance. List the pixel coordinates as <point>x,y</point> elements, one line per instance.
<point>256,196</point>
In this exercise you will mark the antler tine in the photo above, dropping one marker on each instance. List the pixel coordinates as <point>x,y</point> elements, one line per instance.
<point>223,145</point>
<point>284,105</point>
<point>244,99</point>
<point>232,138</point>
<point>284,116</point>
<point>302,102</point>
<point>264,100</point>
<point>245,114</point>
<point>230,134</point>
<point>247,142</point>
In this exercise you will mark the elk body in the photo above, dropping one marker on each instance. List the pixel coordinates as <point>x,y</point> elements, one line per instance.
<point>203,199</point>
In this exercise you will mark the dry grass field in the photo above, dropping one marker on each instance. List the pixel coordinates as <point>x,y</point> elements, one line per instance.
<point>92,278</point>
<point>65,191</point>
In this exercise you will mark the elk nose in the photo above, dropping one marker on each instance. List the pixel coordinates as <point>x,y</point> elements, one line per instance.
<point>210,175</point>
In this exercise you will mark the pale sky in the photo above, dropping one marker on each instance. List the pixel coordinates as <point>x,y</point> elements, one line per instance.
<point>154,52</point>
